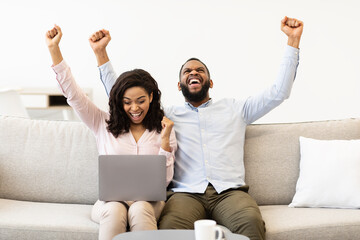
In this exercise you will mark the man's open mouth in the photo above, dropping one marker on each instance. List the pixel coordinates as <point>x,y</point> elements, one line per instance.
<point>194,81</point>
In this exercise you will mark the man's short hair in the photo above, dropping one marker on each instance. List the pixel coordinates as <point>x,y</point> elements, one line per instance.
<point>195,59</point>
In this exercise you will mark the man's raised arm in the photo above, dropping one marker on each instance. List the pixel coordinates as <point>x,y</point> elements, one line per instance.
<point>258,105</point>
<point>98,42</point>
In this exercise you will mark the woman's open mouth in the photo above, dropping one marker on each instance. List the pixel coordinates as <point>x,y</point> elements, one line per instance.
<point>136,116</point>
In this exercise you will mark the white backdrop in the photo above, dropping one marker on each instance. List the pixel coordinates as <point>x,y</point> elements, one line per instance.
<point>240,41</point>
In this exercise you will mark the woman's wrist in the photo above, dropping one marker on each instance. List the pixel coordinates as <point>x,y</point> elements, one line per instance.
<point>165,144</point>
<point>53,46</point>
<point>55,53</point>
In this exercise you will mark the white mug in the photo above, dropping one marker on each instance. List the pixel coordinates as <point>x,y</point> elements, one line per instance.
<point>206,229</point>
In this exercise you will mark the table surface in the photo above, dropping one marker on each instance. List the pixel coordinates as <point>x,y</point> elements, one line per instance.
<point>170,234</point>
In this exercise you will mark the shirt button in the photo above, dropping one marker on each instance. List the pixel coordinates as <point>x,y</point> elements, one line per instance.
<point>204,145</point>
<point>208,179</point>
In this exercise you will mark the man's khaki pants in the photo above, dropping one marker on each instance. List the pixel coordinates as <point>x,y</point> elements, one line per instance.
<point>234,209</point>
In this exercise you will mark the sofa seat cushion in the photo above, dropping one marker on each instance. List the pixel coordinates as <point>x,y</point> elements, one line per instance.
<point>284,223</point>
<point>34,220</point>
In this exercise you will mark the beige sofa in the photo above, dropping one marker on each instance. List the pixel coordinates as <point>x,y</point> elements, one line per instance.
<point>48,180</point>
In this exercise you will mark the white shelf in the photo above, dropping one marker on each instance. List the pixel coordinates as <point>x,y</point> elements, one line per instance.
<point>48,103</point>
<point>43,98</point>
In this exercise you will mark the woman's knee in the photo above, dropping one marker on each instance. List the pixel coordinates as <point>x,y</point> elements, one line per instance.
<point>114,211</point>
<point>141,216</point>
<point>141,209</point>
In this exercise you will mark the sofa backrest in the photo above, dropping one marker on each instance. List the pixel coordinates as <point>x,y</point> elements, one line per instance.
<point>57,161</point>
<point>272,155</point>
<point>47,161</point>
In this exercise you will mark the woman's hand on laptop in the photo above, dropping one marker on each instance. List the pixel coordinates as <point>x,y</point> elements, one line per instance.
<point>167,125</point>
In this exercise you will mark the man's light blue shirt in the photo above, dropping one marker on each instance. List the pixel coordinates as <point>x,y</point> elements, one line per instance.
<point>211,137</point>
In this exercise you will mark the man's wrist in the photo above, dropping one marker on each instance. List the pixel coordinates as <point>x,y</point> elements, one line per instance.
<point>293,42</point>
<point>100,51</point>
<point>101,57</point>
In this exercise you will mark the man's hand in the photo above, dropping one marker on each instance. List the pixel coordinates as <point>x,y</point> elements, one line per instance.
<point>98,42</point>
<point>293,28</point>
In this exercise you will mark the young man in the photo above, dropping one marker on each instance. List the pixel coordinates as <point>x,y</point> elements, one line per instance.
<point>209,168</point>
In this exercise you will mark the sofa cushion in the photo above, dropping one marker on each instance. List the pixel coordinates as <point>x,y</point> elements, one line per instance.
<point>284,223</point>
<point>329,174</point>
<point>272,155</point>
<point>31,220</point>
<point>47,161</point>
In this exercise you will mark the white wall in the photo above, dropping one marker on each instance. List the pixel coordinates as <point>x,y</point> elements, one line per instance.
<point>240,41</point>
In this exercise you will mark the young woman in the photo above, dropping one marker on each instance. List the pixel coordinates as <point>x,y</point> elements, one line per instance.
<point>135,124</point>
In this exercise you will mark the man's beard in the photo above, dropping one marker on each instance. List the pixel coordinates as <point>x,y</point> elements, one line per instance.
<point>198,96</point>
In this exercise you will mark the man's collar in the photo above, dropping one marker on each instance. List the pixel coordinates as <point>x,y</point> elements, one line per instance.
<point>204,105</point>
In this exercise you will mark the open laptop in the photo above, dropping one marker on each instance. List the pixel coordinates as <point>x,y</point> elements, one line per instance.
<point>132,178</point>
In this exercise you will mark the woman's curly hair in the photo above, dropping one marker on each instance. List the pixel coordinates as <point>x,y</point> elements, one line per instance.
<point>119,121</point>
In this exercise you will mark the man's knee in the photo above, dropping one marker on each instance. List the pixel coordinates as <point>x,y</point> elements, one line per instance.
<point>240,214</point>
<point>249,223</point>
<point>181,211</point>
<point>248,218</point>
